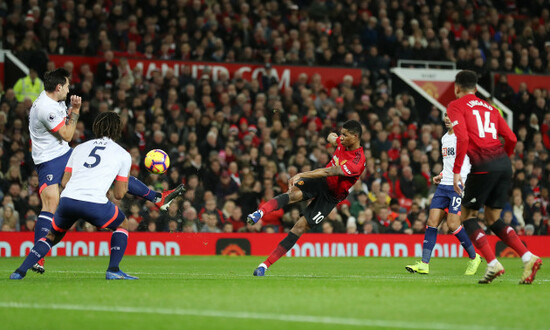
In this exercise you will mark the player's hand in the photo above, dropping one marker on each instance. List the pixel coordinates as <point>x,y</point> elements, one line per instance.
<point>331,138</point>
<point>292,181</point>
<point>457,183</point>
<point>437,179</point>
<point>76,102</point>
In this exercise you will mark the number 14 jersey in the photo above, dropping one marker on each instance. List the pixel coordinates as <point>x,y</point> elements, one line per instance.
<point>477,126</point>
<point>94,165</point>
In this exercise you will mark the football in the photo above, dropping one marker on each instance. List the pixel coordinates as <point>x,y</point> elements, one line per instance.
<point>157,161</point>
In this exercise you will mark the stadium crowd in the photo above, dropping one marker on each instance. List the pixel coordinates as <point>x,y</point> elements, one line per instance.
<point>235,143</point>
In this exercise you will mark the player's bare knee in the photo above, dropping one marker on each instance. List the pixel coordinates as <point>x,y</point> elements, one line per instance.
<point>300,227</point>
<point>294,194</point>
<point>50,200</point>
<point>453,221</point>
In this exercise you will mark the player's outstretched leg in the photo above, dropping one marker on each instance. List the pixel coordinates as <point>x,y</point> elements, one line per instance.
<point>161,200</point>
<point>273,204</point>
<point>478,237</point>
<point>531,262</point>
<point>423,267</point>
<point>41,229</point>
<point>475,259</point>
<point>284,246</point>
<point>119,241</point>
<point>40,249</point>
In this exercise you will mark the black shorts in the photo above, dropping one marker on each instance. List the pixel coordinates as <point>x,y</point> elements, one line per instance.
<point>322,201</point>
<point>488,185</point>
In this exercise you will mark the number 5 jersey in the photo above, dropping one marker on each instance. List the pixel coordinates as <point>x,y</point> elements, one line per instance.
<point>94,165</point>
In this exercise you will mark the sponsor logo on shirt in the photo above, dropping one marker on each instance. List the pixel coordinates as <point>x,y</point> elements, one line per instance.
<point>454,123</point>
<point>346,169</point>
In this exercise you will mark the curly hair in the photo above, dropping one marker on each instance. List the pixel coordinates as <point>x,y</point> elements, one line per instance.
<point>107,124</point>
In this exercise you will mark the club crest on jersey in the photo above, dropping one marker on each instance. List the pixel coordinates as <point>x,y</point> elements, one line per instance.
<point>337,161</point>
<point>300,183</point>
<point>51,116</point>
<point>49,177</point>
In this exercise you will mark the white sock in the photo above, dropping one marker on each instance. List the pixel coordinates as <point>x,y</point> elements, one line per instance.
<point>492,263</point>
<point>263,265</point>
<point>526,257</point>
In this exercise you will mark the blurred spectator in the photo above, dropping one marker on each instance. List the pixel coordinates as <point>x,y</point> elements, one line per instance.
<point>29,86</point>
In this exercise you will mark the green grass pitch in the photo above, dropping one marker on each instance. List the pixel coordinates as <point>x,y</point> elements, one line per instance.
<point>218,292</point>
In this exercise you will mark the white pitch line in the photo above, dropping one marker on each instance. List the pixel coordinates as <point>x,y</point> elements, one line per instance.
<point>247,315</point>
<point>406,277</point>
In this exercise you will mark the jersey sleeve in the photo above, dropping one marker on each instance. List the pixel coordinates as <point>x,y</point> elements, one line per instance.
<point>69,166</point>
<point>461,131</point>
<point>124,171</point>
<point>510,138</point>
<point>351,169</point>
<point>52,120</point>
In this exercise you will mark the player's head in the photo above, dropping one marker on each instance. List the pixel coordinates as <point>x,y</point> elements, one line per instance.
<point>465,82</point>
<point>351,133</point>
<point>57,82</point>
<point>107,124</point>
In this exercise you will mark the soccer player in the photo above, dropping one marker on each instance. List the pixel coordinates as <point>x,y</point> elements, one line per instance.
<point>325,187</point>
<point>89,173</point>
<point>477,126</point>
<point>51,128</point>
<point>446,198</point>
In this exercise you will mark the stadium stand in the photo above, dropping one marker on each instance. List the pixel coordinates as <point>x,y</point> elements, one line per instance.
<point>226,142</point>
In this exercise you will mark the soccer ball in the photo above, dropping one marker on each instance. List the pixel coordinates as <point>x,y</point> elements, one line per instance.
<point>157,161</point>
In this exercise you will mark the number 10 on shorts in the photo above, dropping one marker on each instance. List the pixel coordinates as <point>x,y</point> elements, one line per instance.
<point>318,218</point>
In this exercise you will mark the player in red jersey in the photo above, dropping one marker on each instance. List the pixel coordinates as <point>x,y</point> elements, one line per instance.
<point>477,126</point>
<point>325,187</point>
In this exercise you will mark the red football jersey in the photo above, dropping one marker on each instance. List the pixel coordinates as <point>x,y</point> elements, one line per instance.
<point>352,163</point>
<point>477,126</point>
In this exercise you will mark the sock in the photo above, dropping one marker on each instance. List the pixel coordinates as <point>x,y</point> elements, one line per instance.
<point>286,244</point>
<point>508,235</point>
<point>40,249</point>
<point>119,240</point>
<point>275,203</point>
<point>430,237</point>
<point>478,237</point>
<point>138,188</point>
<point>43,225</point>
<point>464,240</point>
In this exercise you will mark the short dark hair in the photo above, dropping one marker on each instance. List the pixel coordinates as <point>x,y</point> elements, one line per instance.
<point>354,127</point>
<point>466,79</point>
<point>107,124</point>
<point>55,77</point>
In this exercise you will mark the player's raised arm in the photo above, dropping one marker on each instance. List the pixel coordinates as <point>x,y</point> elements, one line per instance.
<point>67,131</point>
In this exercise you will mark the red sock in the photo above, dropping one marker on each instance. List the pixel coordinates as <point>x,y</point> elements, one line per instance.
<point>275,255</point>
<point>274,204</point>
<point>482,244</point>
<point>508,235</point>
<point>269,206</point>
<point>286,244</point>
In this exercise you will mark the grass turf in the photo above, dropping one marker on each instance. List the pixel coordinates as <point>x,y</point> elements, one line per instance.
<point>307,293</point>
